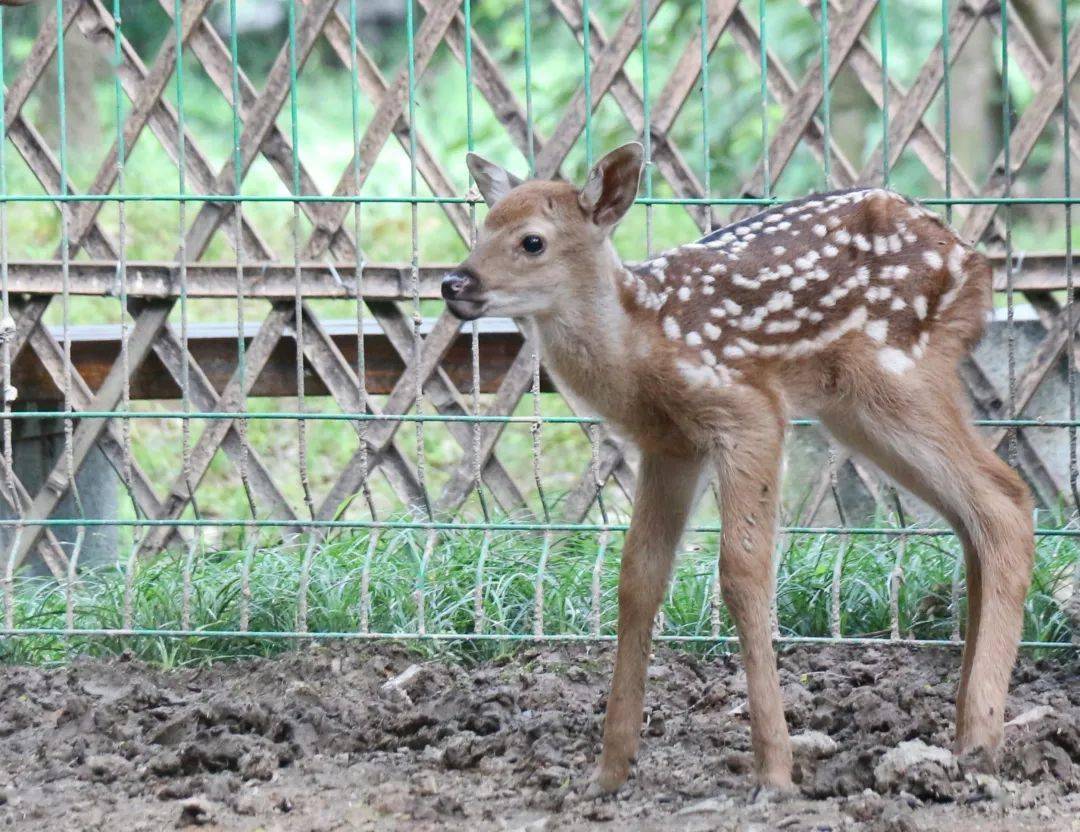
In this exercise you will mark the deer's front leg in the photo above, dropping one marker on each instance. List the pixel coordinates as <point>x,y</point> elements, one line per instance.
<point>665,495</point>
<point>750,462</point>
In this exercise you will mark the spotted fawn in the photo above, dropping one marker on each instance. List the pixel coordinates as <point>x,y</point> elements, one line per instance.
<point>854,306</point>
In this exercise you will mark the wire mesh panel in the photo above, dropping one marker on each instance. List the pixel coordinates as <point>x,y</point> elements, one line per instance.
<point>222,231</point>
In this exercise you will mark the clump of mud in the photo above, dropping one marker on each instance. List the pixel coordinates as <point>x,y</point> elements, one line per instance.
<point>375,736</point>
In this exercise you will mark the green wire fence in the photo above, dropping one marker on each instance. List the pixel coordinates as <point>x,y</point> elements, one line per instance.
<point>248,216</point>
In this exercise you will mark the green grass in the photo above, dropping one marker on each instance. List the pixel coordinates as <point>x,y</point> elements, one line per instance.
<point>336,568</point>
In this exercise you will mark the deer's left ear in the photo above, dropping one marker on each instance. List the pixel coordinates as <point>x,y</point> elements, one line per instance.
<point>612,185</point>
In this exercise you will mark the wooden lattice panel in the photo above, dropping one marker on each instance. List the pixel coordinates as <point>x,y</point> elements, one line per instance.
<point>329,257</point>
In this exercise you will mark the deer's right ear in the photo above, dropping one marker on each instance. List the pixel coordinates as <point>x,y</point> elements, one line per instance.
<point>492,181</point>
<point>612,185</point>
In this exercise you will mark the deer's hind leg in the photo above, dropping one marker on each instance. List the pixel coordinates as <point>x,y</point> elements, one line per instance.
<point>918,431</point>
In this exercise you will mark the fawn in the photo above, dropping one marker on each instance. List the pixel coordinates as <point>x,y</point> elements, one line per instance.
<point>854,306</point>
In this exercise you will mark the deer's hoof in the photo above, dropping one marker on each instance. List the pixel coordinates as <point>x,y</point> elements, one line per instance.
<point>607,780</point>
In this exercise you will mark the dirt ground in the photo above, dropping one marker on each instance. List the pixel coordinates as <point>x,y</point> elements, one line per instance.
<point>377,737</point>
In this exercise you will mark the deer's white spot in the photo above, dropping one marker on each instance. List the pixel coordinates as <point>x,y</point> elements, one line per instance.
<point>881,245</point>
<point>712,331</point>
<point>778,250</point>
<point>731,307</point>
<point>693,339</point>
<point>707,290</point>
<point>734,351</point>
<point>777,327</point>
<point>833,221</point>
<point>718,268</point>
<point>956,261</point>
<point>684,293</point>
<point>900,272</point>
<point>797,283</point>
<point>671,328</point>
<point>909,237</point>
<point>932,259</point>
<point>862,275</point>
<point>829,250</point>
<point>745,283</point>
<point>878,330</point>
<point>919,305</point>
<point>895,361</point>
<point>784,270</point>
<point>897,304</point>
<point>861,243</point>
<point>878,293</point>
<point>753,320</point>
<point>804,217</point>
<point>783,226</point>
<point>708,358</point>
<point>780,300</point>
<point>894,243</point>
<point>854,320</point>
<point>920,345</point>
<point>820,230</point>
<point>842,236</point>
<point>774,217</point>
<point>696,374</point>
<point>742,230</point>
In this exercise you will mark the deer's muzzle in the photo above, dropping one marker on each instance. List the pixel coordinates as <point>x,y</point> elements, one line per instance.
<point>462,293</point>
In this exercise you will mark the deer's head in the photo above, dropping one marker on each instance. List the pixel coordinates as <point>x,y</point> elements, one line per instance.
<point>542,242</point>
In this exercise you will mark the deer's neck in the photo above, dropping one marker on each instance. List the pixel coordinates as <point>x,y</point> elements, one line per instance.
<point>585,341</point>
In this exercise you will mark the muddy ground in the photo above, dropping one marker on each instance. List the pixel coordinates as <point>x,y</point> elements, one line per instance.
<point>378,737</point>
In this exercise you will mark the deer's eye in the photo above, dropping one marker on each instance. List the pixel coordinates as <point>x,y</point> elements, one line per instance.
<point>532,243</point>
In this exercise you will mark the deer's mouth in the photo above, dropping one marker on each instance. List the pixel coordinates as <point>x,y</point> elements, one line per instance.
<point>466,309</point>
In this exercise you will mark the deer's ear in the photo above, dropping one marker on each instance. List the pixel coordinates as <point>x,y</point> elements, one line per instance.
<point>612,185</point>
<point>492,181</point>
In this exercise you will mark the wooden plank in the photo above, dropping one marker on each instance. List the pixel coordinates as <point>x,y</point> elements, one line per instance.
<point>203,396</point>
<point>258,124</point>
<point>201,455</point>
<point>842,37</point>
<point>88,431</point>
<point>145,88</point>
<point>427,38</point>
<point>604,71</point>
<point>1022,140</point>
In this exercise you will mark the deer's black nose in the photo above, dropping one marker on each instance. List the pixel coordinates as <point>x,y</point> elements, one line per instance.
<point>459,284</point>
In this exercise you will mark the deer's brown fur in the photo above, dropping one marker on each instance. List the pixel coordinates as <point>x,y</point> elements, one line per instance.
<point>854,306</point>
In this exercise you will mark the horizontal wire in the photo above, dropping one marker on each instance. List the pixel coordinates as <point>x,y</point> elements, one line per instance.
<point>442,636</point>
<point>430,525</point>
<point>443,200</point>
<point>426,417</point>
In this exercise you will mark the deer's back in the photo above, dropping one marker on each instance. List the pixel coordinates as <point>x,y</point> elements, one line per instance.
<point>860,269</point>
